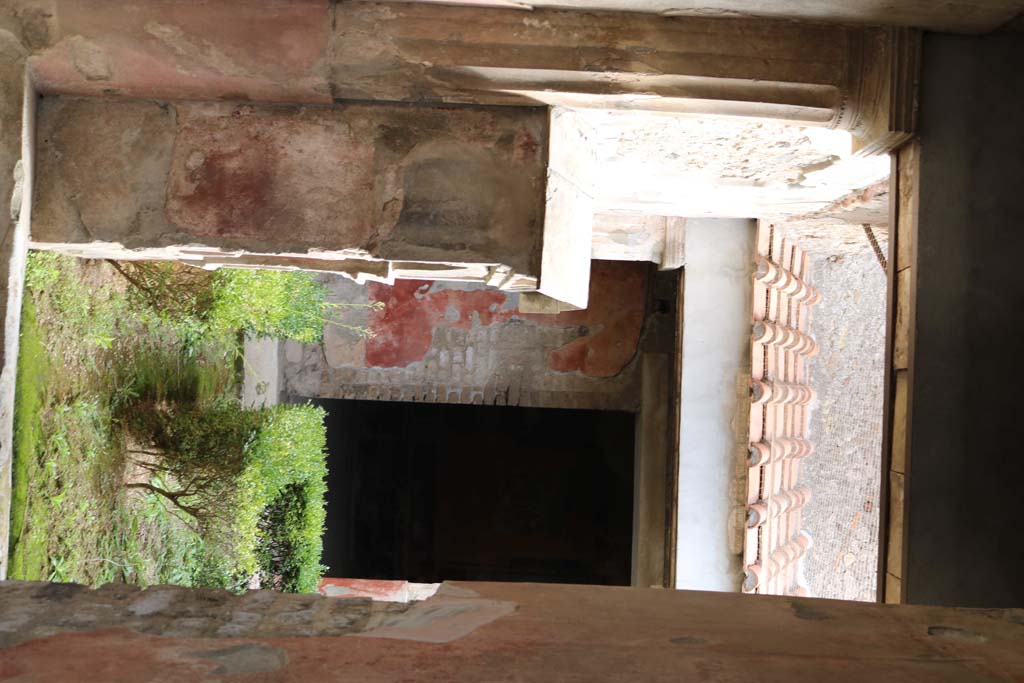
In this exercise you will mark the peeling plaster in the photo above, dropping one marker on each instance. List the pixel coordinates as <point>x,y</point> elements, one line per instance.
<point>607,332</point>
<point>16,193</point>
<point>441,619</point>
<point>90,59</point>
<point>200,51</point>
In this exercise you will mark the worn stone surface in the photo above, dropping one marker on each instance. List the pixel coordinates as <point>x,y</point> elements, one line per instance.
<point>30,22</point>
<point>181,50</point>
<point>556,632</point>
<point>35,610</point>
<point>846,425</point>
<point>956,17</point>
<point>261,381</point>
<point>400,183</point>
<point>132,142</point>
<point>628,236</point>
<point>838,229</point>
<point>446,342</point>
<point>675,165</point>
<point>316,52</point>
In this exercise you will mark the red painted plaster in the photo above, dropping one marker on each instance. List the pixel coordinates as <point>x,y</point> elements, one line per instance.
<point>610,327</point>
<point>239,172</point>
<point>613,321</point>
<point>100,656</point>
<point>193,50</point>
<point>404,329</point>
<point>526,146</point>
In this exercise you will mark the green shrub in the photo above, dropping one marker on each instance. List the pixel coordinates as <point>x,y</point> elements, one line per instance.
<point>176,291</point>
<point>254,481</point>
<point>283,304</point>
<point>290,540</point>
<point>285,464</point>
<point>270,303</point>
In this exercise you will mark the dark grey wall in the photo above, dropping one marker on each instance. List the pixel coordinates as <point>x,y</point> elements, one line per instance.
<point>966,484</point>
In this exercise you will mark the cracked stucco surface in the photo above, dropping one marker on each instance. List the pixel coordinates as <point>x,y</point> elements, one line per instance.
<point>688,166</point>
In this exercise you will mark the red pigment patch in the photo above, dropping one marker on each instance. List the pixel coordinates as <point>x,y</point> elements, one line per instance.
<point>525,146</point>
<point>571,357</point>
<point>233,187</point>
<point>404,330</point>
<point>614,319</point>
<point>112,656</point>
<point>241,175</point>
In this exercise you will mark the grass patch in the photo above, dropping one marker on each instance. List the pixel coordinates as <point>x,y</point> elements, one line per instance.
<point>134,461</point>
<point>27,557</point>
<point>86,355</point>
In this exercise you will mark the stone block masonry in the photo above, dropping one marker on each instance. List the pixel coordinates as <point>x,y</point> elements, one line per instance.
<point>362,182</point>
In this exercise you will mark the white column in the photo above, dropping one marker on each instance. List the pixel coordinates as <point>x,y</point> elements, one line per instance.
<point>713,400</point>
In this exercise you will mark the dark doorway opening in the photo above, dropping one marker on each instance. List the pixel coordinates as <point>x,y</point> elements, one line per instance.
<point>429,492</point>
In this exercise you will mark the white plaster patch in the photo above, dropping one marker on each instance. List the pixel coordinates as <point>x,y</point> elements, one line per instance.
<point>247,658</point>
<point>16,194</point>
<point>441,619</point>
<point>202,52</point>
<point>90,60</point>
<point>683,165</point>
<point>151,602</point>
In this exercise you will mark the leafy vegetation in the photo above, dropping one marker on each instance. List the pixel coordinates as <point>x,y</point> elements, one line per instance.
<point>268,303</point>
<point>291,539</point>
<point>134,460</point>
<point>284,481</point>
<point>233,472</point>
<point>32,370</point>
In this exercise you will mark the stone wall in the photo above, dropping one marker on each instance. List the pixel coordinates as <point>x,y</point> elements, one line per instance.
<point>352,181</point>
<point>469,631</point>
<point>459,343</point>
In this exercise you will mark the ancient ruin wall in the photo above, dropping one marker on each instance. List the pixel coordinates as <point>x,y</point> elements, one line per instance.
<point>464,343</point>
